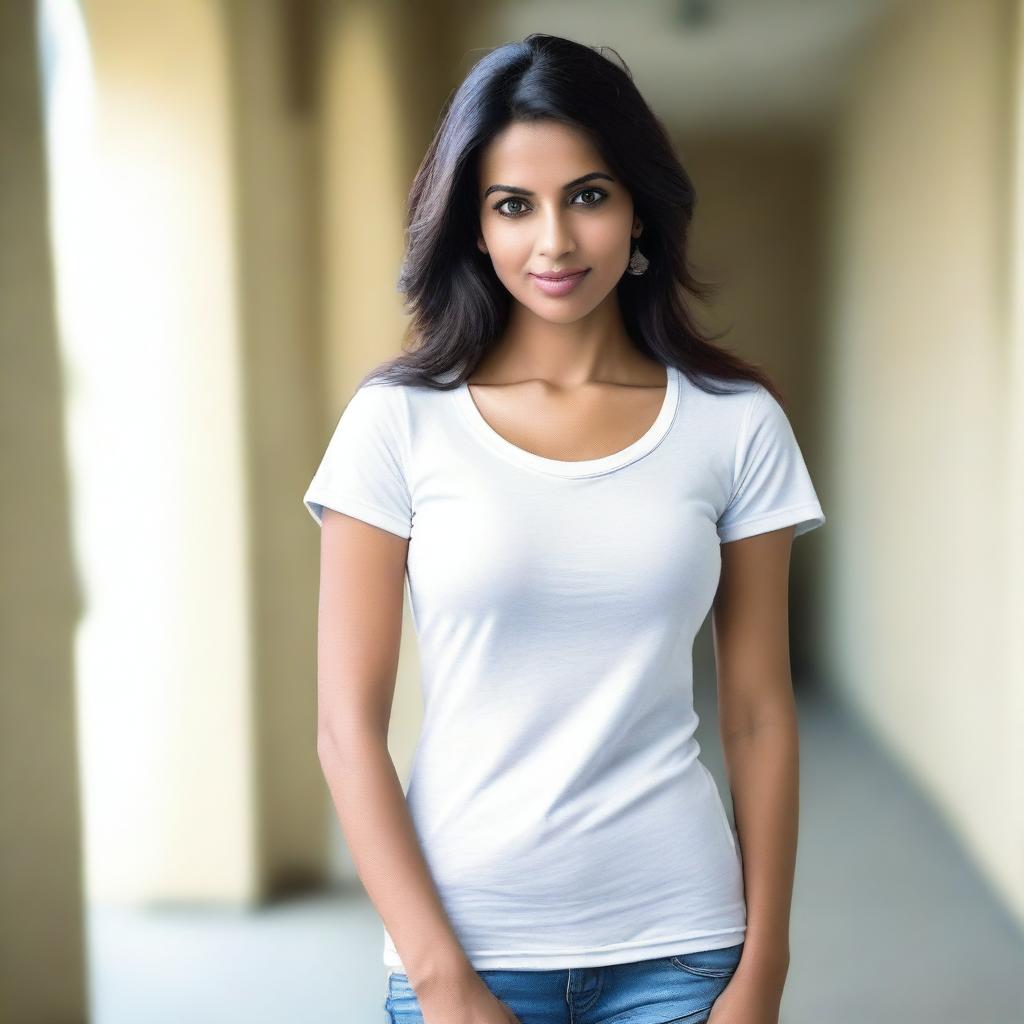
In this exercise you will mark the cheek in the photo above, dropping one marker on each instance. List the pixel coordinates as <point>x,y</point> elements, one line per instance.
<point>607,238</point>
<point>510,256</point>
<point>509,269</point>
<point>508,246</point>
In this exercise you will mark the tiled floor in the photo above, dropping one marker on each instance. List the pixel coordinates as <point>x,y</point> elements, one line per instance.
<point>890,923</point>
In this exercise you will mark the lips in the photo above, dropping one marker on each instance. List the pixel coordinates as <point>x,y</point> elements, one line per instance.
<point>560,284</point>
<point>560,275</point>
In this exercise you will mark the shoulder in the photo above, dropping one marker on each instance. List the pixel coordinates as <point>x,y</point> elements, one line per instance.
<point>398,413</point>
<point>743,405</point>
<point>402,400</point>
<point>377,403</point>
<point>725,406</point>
<point>373,418</point>
<point>379,394</point>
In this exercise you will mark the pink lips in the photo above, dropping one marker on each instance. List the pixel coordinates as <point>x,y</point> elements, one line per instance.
<point>559,285</point>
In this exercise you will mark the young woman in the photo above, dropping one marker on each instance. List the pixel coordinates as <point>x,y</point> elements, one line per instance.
<point>569,477</point>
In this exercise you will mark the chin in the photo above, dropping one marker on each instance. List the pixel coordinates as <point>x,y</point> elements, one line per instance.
<point>563,315</point>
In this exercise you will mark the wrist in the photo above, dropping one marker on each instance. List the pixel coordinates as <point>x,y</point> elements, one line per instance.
<point>768,964</point>
<point>442,969</point>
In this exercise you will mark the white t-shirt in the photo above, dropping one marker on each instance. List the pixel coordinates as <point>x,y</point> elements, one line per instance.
<point>556,786</point>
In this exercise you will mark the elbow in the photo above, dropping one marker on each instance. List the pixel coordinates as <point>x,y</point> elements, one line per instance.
<point>331,743</point>
<point>344,741</point>
<point>326,745</point>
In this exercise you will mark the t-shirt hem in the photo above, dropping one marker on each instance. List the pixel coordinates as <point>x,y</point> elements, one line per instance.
<point>358,510</point>
<point>628,952</point>
<point>805,516</point>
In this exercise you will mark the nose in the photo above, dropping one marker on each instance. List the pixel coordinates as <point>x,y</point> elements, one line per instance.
<point>556,239</point>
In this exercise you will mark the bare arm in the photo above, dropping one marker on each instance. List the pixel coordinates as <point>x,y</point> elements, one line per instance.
<point>758,723</point>
<point>362,574</point>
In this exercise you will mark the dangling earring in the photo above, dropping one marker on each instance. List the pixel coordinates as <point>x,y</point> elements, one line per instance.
<point>638,262</point>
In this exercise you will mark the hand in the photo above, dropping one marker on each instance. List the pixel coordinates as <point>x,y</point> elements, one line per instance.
<point>750,998</point>
<point>462,999</point>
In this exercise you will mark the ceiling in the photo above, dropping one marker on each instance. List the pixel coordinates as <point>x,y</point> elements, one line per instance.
<point>708,65</point>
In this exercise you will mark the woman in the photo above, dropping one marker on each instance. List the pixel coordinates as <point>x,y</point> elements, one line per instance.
<point>569,476</point>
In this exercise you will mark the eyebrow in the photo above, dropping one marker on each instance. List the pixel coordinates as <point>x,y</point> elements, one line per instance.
<point>516,190</point>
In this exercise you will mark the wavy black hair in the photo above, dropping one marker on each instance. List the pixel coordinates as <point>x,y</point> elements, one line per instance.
<point>459,308</point>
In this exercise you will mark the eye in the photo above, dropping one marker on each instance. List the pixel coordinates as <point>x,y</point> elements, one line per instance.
<point>498,206</point>
<point>598,192</point>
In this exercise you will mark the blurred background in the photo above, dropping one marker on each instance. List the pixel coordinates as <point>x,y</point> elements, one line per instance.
<point>202,205</point>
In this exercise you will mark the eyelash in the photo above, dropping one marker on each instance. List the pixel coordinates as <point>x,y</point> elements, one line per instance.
<point>514,216</point>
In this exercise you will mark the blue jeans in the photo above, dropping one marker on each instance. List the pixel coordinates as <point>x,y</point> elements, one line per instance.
<point>667,990</point>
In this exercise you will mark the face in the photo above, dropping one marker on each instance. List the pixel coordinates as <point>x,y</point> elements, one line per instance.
<point>549,203</point>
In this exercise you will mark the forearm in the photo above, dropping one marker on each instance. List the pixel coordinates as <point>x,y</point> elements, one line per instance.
<point>763,767</point>
<point>374,816</point>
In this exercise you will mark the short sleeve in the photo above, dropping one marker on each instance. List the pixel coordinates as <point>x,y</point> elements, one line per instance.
<point>772,486</point>
<point>362,473</point>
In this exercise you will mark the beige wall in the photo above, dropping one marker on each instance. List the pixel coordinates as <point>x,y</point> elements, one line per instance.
<point>920,404</point>
<point>387,67</point>
<point>165,668</point>
<point>1012,513</point>
<point>273,60</point>
<point>42,937</point>
<point>758,232</point>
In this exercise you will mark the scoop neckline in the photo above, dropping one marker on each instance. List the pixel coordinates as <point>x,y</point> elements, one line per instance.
<point>642,446</point>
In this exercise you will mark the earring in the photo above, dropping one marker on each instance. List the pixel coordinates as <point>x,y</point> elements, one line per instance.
<point>638,262</point>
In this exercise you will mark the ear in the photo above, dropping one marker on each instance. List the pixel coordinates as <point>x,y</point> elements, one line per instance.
<point>481,245</point>
<point>638,226</point>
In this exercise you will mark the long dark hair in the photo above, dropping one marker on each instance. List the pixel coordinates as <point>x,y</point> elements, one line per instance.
<point>459,308</point>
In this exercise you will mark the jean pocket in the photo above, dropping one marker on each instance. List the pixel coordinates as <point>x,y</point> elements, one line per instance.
<point>710,963</point>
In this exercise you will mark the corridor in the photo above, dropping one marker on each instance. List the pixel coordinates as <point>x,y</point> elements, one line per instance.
<point>886,904</point>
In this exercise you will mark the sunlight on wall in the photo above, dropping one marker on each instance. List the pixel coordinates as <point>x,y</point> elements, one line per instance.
<point>141,235</point>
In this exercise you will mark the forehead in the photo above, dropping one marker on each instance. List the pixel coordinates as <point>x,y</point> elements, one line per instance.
<point>538,155</point>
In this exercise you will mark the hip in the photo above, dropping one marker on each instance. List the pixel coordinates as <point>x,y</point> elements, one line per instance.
<point>681,988</point>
